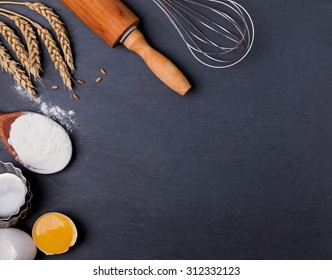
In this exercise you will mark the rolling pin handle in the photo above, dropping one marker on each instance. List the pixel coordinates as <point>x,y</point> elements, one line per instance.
<point>161,66</point>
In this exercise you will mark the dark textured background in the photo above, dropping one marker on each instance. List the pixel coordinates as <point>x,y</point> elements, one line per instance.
<point>240,168</point>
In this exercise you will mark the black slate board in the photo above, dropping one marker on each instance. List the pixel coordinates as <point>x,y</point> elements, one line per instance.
<point>240,168</point>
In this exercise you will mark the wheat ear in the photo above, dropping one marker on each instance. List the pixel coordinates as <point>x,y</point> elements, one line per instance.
<point>9,65</point>
<point>32,44</point>
<point>55,55</point>
<point>59,29</point>
<point>15,43</point>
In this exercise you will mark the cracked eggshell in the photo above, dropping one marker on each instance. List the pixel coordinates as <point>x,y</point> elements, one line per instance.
<point>15,244</point>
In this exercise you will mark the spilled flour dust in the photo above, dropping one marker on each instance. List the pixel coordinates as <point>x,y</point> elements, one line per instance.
<point>62,116</point>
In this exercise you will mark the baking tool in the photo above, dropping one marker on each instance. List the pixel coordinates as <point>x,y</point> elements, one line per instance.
<point>6,121</point>
<point>116,24</point>
<point>13,192</point>
<point>14,219</point>
<point>218,33</point>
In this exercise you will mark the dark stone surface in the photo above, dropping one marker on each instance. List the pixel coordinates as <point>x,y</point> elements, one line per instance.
<point>240,168</point>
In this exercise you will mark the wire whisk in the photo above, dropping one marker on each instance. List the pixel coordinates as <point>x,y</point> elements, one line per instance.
<point>218,33</point>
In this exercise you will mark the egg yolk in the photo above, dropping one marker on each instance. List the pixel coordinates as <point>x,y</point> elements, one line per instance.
<point>54,233</point>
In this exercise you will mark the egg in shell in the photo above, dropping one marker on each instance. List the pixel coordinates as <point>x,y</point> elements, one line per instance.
<point>15,244</point>
<point>54,233</point>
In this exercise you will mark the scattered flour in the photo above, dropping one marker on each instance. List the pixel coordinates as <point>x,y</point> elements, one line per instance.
<point>41,144</point>
<point>65,118</point>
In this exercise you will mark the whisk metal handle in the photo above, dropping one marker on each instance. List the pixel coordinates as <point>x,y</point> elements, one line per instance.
<point>161,66</point>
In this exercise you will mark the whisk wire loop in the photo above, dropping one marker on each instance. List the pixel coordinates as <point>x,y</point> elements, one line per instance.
<point>218,33</point>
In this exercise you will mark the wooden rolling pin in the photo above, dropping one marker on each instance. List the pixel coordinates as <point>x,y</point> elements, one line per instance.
<point>115,24</point>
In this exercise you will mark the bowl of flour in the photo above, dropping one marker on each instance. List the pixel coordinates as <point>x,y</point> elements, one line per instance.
<point>41,144</point>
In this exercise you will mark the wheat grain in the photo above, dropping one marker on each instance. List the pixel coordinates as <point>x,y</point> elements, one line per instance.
<point>75,96</point>
<point>59,29</point>
<point>32,44</point>
<point>9,65</point>
<point>55,55</point>
<point>15,43</point>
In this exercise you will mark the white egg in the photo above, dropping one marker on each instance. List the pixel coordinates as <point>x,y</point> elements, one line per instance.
<point>15,244</point>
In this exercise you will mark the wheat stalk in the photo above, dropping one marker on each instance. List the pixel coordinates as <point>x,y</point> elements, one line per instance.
<point>62,62</point>
<point>9,65</point>
<point>55,55</point>
<point>16,44</point>
<point>59,29</point>
<point>32,44</point>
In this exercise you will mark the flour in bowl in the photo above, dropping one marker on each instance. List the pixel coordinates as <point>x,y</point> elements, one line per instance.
<point>41,144</point>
